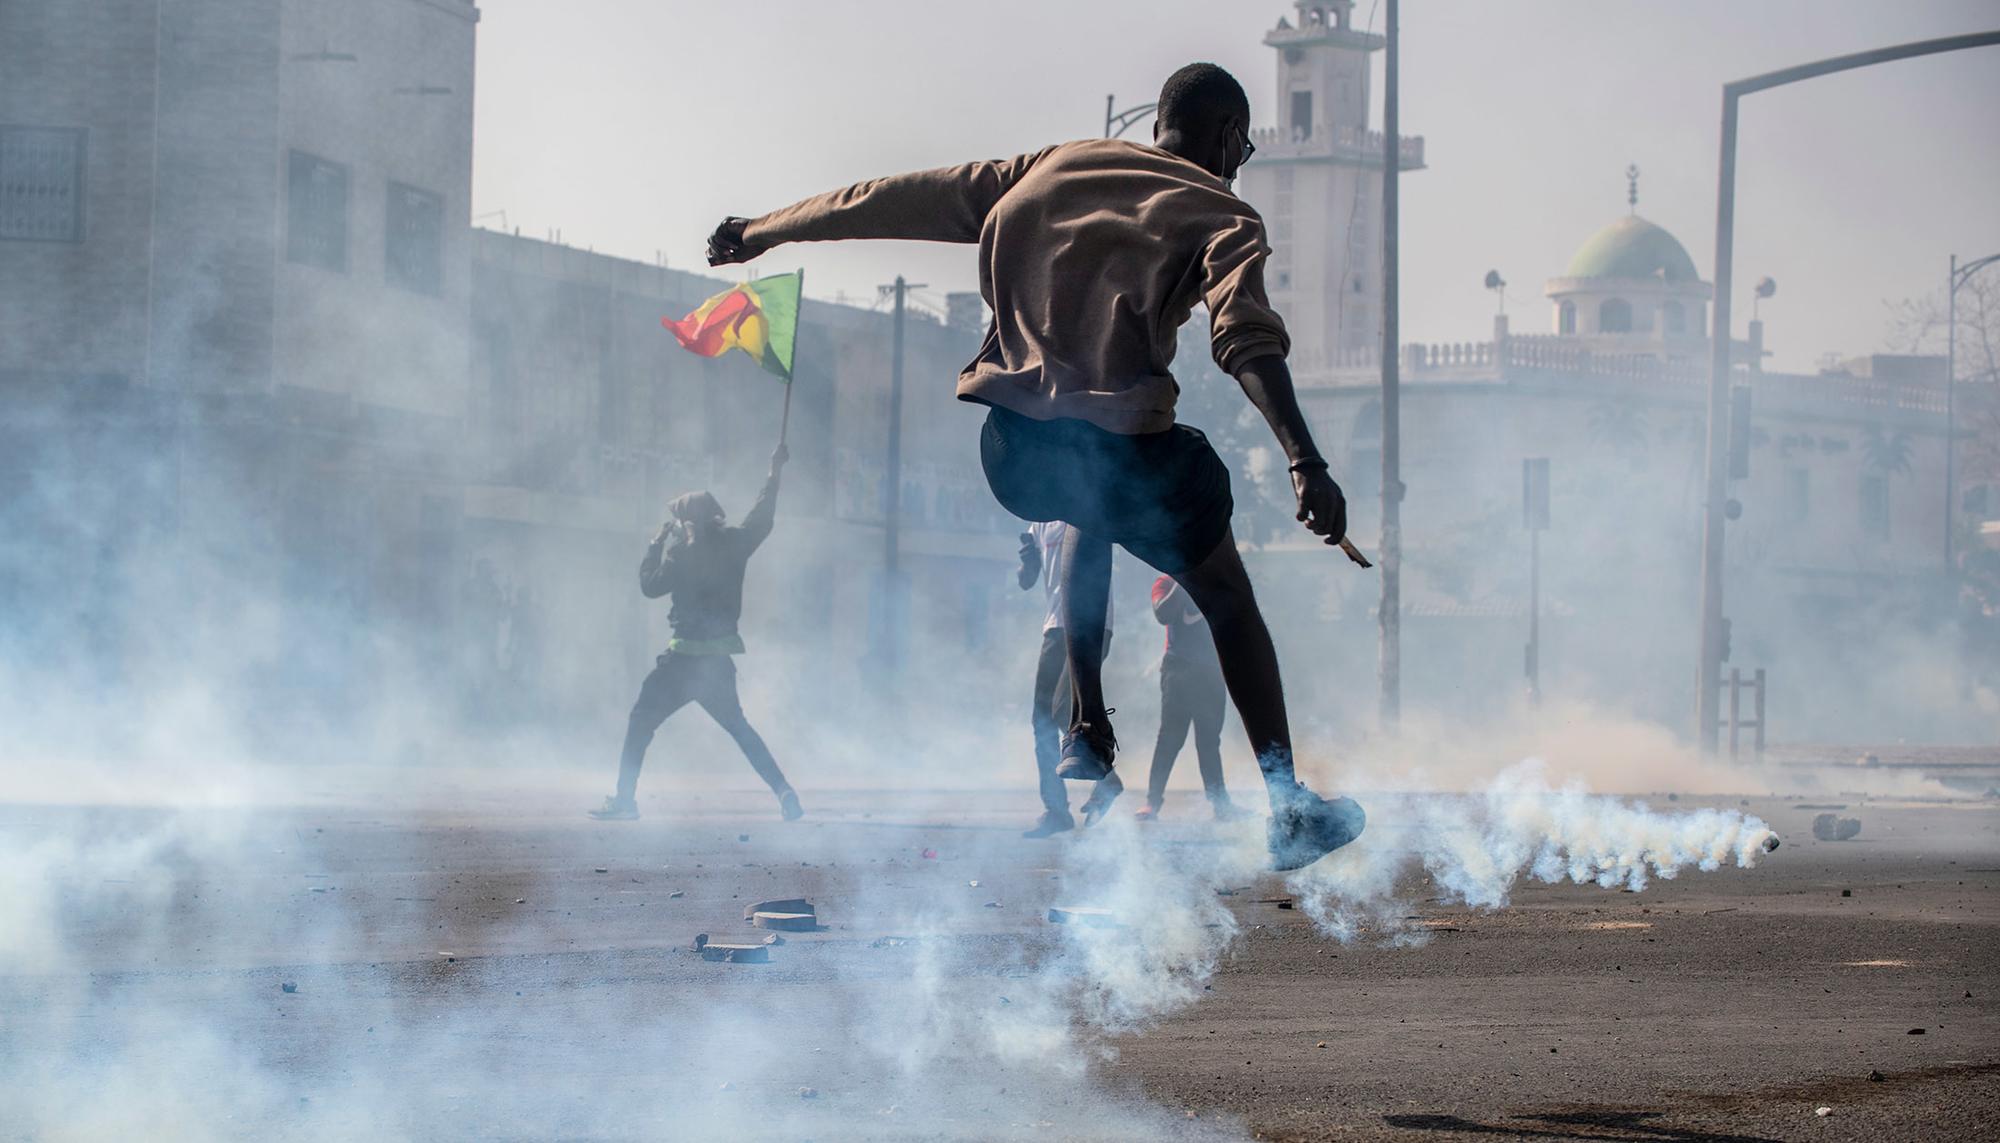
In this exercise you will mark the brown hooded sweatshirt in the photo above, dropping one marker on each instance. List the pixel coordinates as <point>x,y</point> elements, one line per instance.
<point>1092,255</point>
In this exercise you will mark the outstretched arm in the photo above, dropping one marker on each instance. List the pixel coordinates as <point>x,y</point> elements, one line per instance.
<point>656,571</point>
<point>948,204</point>
<point>1249,342</point>
<point>1267,381</point>
<point>1031,561</point>
<point>763,514</point>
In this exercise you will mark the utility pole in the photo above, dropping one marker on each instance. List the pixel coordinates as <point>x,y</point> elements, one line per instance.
<point>1390,613</point>
<point>1708,683</point>
<point>1950,403</point>
<point>1959,275</point>
<point>892,502</point>
<point>890,632</point>
<point>1535,517</point>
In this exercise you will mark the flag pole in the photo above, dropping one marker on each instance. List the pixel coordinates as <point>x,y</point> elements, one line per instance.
<point>785,418</point>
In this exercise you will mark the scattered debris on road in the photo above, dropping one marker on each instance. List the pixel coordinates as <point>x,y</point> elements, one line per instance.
<point>289,986</point>
<point>1083,915</point>
<point>733,954</point>
<point>786,914</point>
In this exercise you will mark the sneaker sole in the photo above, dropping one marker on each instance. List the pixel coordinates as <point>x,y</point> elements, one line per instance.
<point>1343,821</point>
<point>1082,770</point>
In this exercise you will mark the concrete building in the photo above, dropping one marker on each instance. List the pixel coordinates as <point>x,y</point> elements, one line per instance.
<point>232,322</point>
<point>1317,180</point>
<point>1840,509</point>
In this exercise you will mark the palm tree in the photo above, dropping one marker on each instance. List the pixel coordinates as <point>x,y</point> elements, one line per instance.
<point>1885,452</point>
<point>1618,425</point>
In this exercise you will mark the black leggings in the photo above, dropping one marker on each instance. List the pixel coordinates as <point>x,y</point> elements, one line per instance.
<point>710,682</point>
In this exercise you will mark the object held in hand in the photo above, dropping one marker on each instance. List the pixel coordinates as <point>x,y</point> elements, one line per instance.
<point>1354,553</point>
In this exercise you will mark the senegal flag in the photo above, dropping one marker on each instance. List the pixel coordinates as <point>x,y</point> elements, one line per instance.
<point>761,318</point>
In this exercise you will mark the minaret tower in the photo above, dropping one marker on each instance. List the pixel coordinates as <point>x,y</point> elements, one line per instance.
<point>1317,180</point>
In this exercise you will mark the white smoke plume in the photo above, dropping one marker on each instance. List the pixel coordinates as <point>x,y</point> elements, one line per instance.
<point>1477,848</point>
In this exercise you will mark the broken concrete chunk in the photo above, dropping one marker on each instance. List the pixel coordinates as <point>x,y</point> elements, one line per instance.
<point>781,905</point>
<point>785,922</point>
<point>1082,915</point>
<point>289,986</point>
<point>732,954</point>
<point>1831,827</point>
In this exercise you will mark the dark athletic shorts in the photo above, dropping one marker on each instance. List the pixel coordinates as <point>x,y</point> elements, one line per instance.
<point>1163,496</point>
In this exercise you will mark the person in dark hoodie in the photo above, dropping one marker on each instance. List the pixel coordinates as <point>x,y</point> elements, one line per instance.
<point>1092,254</point>
<point>699,560</point>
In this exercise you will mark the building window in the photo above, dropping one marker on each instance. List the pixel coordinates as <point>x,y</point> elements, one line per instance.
<point>1875,506</point>
<point>41,184</point>
<point>1673,318</point>
<point>1566,318</point>
<point>1798,495</point>
<point>316,212</point>
<point>1614,316</point>
<point>1302,114</point>
<point>413,255</point>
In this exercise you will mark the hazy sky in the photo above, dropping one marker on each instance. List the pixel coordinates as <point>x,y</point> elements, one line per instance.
<point>633,125</point>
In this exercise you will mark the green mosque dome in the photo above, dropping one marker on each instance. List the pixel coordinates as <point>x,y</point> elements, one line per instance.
<point>1633,249</point>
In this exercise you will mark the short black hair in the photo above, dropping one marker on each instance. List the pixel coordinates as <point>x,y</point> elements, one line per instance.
<point>1202,95</point>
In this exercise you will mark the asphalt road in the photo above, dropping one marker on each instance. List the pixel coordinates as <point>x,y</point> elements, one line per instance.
<point>511,970</point>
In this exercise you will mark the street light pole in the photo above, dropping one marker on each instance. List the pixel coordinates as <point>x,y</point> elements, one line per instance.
<point>1708,684</point>
<point>1958,277</point>
<point>890,631</point>
<point>1117,123</point>
<point>1389,613</point>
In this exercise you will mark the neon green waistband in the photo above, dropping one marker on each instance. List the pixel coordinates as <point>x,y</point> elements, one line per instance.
<point>725,645</point>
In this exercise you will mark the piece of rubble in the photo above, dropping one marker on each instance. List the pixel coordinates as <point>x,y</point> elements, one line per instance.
<point>742,837</point>
<point>891,942</point>
<point>733,954</point>
<point>676,893</point>
<point>808,1093</point>
<point>779,905</point>
<point>1832,827</point>
<point>1083,915</point>
<point>1822,1112</point>
<point>288,986</point>
<point>787,914</point>
<point>775,939</point>
<point>601,869</point>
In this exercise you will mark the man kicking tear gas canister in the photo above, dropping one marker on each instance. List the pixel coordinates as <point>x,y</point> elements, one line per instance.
<point>1091,255</point>
<point>700,560</point>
